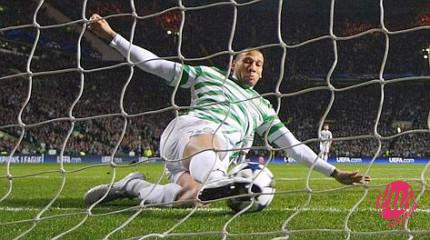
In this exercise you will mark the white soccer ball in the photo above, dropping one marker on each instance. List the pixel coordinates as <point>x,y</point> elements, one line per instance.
<point>263,182</point>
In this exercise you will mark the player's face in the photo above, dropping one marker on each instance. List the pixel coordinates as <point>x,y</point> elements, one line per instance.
<point>248,67</point>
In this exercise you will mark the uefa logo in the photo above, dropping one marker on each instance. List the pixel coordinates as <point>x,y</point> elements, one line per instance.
<point>397,203</point>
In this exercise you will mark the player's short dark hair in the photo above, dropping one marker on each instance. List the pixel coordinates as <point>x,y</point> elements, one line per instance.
<point>236,56</point>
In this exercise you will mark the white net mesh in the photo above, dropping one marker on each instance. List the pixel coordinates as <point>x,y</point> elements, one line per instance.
<point>71,120</point>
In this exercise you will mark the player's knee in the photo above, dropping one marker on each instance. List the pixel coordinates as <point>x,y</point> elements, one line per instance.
<point>202,142</point>
<point>188,193</point>
<point>190,187</point>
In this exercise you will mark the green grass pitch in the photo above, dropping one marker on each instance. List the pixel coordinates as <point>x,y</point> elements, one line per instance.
<point>323,218</point>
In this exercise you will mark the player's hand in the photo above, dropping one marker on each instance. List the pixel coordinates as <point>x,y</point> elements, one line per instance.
<point>101,27</point>
<point>349,178</point>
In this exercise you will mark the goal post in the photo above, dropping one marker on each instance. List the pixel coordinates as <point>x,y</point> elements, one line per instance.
<point>327,62</point>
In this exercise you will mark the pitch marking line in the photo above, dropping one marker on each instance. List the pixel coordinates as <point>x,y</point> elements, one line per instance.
<point>20,209</point>
<point>331,179</point>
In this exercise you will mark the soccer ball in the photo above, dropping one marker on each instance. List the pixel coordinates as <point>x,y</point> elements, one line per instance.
<point>263,182</point>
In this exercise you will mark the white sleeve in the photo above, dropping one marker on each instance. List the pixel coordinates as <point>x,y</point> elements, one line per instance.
<point>282,137</point>
<point>148,61</point>
<point>301,152</point>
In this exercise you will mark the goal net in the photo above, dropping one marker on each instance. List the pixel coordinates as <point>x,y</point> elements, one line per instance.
<point>70,101</point>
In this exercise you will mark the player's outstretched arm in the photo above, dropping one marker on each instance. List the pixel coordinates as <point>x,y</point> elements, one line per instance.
<point>144,59</point>
<point>302,153</point>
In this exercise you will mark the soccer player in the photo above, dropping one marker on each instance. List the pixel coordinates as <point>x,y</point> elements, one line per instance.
<point>223,117</point>
<point>325,143</point>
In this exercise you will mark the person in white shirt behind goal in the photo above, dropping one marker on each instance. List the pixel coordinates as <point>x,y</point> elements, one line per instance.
<point>325,144</point>
<point>198,147</point>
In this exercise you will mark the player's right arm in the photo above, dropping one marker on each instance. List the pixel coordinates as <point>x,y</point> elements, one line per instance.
<point>144,59</point>
<point>279,135</point>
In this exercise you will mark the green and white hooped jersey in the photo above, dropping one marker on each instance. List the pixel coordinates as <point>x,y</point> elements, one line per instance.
<point>240,111</point>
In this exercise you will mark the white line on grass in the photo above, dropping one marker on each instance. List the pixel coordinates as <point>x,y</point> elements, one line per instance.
<point>19,209</point>
<point>331,179</point>
<point>24,209</point>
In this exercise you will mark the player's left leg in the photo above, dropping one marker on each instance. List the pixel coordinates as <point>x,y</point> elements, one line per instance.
<point>204,158</point>
<point>117,191</point>
<point>321,153</point>
<point>134,185</point>
<point>196,155</point>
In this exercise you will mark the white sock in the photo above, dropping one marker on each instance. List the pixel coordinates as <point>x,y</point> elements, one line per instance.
<point>153,193</point>
<point>206,167</point>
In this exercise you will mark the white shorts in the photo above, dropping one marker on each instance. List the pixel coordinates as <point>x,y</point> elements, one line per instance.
<point>176,137</point>
<point>324,147</point>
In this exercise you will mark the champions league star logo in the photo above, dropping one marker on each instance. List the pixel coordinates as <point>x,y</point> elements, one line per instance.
<point>397,203</point>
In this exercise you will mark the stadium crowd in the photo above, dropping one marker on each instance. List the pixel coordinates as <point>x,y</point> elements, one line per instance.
<point>353,113</point>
